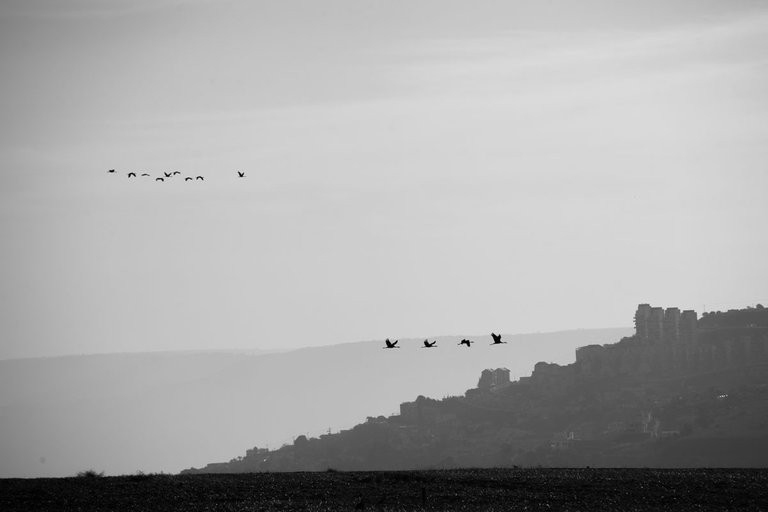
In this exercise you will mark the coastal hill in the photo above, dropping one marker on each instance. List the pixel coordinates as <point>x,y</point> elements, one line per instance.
<point>682,391</point>
<point>152,412</point>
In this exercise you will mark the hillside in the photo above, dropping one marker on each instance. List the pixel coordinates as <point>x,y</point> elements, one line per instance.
<point>678,393</point>
<point>121,413</point>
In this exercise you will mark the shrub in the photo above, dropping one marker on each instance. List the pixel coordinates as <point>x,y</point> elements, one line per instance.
<point>90,473</point>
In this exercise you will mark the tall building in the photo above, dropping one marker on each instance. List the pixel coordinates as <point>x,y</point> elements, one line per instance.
<point>656,324</point>
<point>671,327</point>
<point>687,329</point>
<point>641,321</point>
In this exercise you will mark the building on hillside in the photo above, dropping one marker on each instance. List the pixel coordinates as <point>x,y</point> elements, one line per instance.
<point>655,324</point>
<point>687,326</point>
<point>492,379</point>
<point>668,342</point>
<point>641,321</point>
<point>562,440</point>
<point>671,325</point>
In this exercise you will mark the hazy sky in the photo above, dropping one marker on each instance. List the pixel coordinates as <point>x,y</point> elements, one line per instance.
<point>414,168</point>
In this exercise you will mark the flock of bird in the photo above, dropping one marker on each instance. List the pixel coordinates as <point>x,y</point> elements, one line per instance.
<point>433,344</point>
<point>240,174</point>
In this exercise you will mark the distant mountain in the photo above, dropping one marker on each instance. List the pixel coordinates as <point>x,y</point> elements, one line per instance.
<point>121,413</point>
<point>680,392</point>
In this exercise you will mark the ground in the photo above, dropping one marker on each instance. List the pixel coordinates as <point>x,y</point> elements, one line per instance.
<point>467,489</point>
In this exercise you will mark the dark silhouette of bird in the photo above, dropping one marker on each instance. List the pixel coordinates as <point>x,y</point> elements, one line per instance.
<point>159,179</point>
<point>187,179</point>
<point>496,339</point>
<point>427,344</point>
<point>145,174</point>
<point>176,172</point>
<point>241,174</point>
<point>111,170</point>
<point>465,342</point>
<point>131,174</point>
<point>391,344</point>
<point>167,174</point>
<point>200,178</point>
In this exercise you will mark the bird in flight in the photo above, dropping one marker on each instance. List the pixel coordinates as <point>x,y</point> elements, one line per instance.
<point>465,342</point>
<point>145,174</point>
<point>391,344</point>
<point>176,172</point>
<point>159,179</point>
<point>167,174</point>
<point>427,344</point>
<point>200,178</point>
<point>187,179</point>
<point>131,174</point>
<point>111,170</point>
<point>496,339</point>
<point>241,174</point>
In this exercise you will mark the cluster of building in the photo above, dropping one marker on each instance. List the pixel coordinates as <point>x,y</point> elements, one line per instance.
<point>667,343</point>
<point>494,379</point>
<point>654,324</point>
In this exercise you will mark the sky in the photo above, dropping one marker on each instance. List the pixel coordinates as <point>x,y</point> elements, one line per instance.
<point>413,168</point>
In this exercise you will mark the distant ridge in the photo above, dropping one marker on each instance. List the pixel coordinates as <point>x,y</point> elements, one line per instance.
<point>202,351</point>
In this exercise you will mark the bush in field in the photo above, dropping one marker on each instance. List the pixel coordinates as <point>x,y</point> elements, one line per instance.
<point>90,473</point>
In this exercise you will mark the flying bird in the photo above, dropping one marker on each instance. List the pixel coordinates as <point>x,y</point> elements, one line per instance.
<point>200,178</point>
<point>159,179</point>
<point>111,170</point>
<point>187,179</point>
<point>167,174</point>
<point>241,174</point>
<point>176,172</point>
<point>131,174</point>
<point>391,344</point>
<point>145,174</point>
<point>496,339</point>
<point>465,342</point>
<point>427,344</point>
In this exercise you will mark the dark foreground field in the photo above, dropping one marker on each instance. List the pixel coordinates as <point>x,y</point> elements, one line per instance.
<point>477,489</point>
